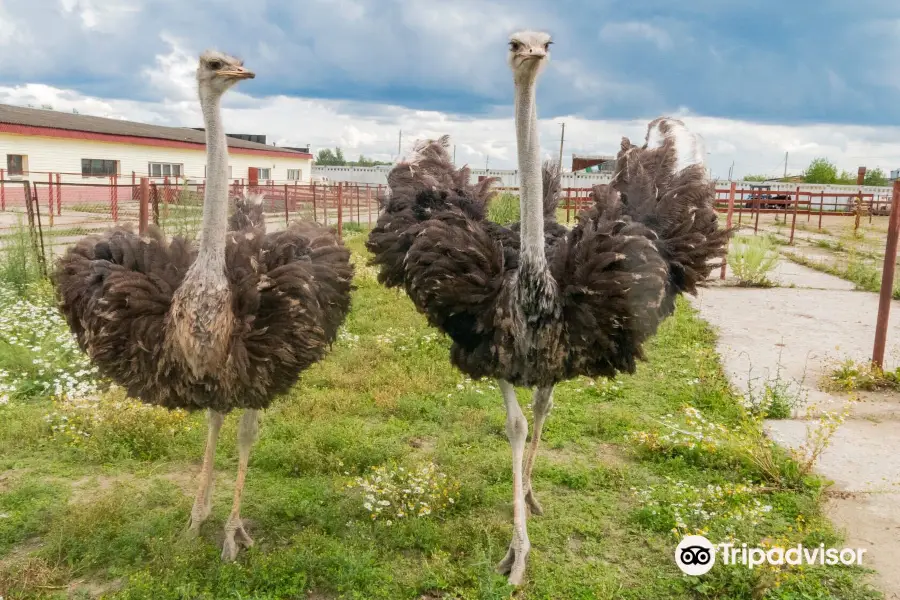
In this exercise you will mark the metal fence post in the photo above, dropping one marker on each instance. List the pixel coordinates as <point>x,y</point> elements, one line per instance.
<point>794,220</point>
<point>887,280</point>
<point>50,199</point>
<point>286,217</point>
<point>340,210</point>
<point>2,190</point>
<point>144,206</point>
<point>728,223</point>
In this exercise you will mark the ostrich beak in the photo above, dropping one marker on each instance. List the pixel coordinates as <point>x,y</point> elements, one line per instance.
<point>236,73</point>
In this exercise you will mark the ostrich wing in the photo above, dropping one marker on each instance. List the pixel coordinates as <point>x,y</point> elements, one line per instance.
<point>290,292</point>
<point>248,213</point>
<point>664,185</point>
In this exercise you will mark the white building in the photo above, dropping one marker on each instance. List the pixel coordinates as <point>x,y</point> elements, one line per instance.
<point>36,143</point>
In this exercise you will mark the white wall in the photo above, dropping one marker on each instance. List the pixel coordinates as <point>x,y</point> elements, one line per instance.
<point>508,177</point>
<point>62,155</point>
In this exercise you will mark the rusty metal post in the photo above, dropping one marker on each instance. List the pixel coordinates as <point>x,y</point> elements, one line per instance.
<point>887,280</point>
<point>144,206</point>
<point>50,210</point>
<point>2,190</point>
<point>860,179</point>
<point>794,220</point>
<point>315,216</point>
<point>325,204</point>
<point>154,202</point>
<point>286,217</point>
<point>758,209</point>
<point>741,208</point>
<point>340,210</point>
<point>728,222</point>
<point>369,204</point>
<point>821,207</point>
<point>40,230</point>
<point>58,195</point>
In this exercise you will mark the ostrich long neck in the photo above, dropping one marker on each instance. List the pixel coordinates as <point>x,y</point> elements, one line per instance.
<point>215,199</point>
<point>529,150</point>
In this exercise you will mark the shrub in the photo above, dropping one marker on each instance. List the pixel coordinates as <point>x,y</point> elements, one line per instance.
<point>751,258</point>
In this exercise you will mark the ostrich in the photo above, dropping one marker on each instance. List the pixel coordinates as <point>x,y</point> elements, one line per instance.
<point>535,304</point>
<point>229,325</point>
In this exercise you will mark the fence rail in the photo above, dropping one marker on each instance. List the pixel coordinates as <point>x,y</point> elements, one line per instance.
<point>64,210</point>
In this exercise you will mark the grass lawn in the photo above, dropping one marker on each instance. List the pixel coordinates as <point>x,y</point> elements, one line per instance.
<point>94,500</point>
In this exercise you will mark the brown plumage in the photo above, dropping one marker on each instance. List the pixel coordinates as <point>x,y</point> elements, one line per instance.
<point>228,323</point>
<point>289,290</point>
<point>649,238</point>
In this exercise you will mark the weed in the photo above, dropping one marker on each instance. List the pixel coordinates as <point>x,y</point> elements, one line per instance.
<point>398,493</point>
<point>751,258</point>
<point>19,263</point>
<point>849,375</point>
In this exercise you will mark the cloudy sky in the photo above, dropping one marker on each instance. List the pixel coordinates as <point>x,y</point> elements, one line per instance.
<point>757,78</point>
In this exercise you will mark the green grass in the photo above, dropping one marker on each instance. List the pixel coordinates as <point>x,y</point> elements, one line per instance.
<point>865,275</point>
<point>387,395</point>
<point>504,208</point>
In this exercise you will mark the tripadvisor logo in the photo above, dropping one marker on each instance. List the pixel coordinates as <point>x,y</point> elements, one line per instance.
<point>696,555</point>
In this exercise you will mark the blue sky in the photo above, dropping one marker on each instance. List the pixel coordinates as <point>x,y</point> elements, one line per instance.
<point>787,63</point>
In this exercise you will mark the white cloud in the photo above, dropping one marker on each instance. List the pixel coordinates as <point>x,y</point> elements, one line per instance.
<point>636,30</point>
<point>372,129</point>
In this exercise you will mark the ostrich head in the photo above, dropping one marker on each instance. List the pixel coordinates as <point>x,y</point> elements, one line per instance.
<point>528,52</point>
<point>217,72</point>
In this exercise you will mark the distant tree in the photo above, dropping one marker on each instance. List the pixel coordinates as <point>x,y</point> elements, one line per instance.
<point>755,177</point>
<point>327,158</point>
<point>820,170</point>
<point>846,178</point>
<point>367,162</point>
<point>875,177</point>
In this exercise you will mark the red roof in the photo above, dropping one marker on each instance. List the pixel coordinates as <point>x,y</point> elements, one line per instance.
<point>48,123</point>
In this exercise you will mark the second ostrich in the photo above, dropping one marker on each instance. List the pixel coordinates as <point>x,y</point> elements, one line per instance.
<point>534,304</point>
<point>228,326</point>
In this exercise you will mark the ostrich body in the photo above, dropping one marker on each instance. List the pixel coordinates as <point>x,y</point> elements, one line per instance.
<point>535,304</point>
<point>228,325</point>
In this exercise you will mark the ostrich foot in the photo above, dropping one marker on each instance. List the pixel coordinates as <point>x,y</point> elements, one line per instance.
<point>199,514</point>
<point>533,505</point>
<point>236,537</point>
<point>513,564</point>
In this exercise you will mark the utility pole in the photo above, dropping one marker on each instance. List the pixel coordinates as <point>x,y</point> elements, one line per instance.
<point>730,170</point>
<point>785,163</point>
<point>562,137</point>
<point>399,143</point>
<point>486,159</point>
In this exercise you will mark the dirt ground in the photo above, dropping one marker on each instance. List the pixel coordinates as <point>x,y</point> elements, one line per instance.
<point>796,331</point>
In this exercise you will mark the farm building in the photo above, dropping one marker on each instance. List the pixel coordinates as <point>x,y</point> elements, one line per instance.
<point>39,142</point>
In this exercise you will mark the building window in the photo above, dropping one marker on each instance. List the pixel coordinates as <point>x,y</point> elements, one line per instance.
<point>265,174</point>
<point>295,174</point>
<point>15,164</point>
<point>165,170</point>
<point>95,167</point>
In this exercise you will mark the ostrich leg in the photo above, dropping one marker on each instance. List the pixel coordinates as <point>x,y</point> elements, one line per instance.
<point>541,404</point>
<point>203,501</point>
<point>513,564</point>
<point>235,535</point>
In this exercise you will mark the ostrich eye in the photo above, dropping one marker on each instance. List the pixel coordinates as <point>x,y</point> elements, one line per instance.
<point>514,46</point>
<point>215,65</point>
<point>547,46</point>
